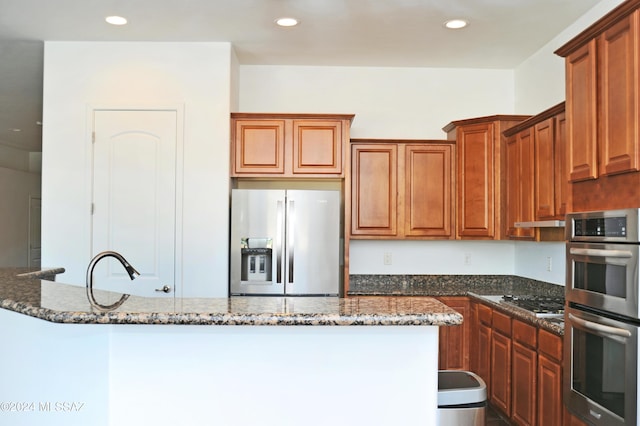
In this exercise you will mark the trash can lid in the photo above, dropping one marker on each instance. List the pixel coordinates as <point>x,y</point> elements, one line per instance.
<point>460,387</point>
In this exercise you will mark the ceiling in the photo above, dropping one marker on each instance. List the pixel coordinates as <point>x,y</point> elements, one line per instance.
<point>381,33</point>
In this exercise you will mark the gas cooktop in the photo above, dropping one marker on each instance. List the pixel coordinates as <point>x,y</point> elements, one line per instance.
<point>541,306</point>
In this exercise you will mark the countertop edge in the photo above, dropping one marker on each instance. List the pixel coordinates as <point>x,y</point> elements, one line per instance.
<point>519,314</point>
<point>229,319</point>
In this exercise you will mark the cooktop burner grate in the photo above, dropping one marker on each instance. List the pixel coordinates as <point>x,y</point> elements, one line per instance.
<point>540,305</point>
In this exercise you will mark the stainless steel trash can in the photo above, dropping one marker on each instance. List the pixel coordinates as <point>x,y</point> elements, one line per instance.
<point>462,399</point>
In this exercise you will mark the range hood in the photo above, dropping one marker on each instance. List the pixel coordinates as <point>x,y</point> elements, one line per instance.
<point>541,224</point>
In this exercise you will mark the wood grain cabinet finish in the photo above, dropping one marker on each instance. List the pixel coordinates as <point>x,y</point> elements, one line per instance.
<point>482,358</point>
<point>549,398</point>
<point>401,189</point>
<point>550,158</point>
<point>288,145</point>
<point>480,174</point>
<point>524,374</point>
<point>537,179</point>
<point>603,111</point>
<point>454,341</point>
<point>521,365</point>
<point>520,175</point>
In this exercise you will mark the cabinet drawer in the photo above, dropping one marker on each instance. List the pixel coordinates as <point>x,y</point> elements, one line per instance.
<point>524,334</point>
<point>502,323</point>
<point>484,314</point>
<point>550,345</point>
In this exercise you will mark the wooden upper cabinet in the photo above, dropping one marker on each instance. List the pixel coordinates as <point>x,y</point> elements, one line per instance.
<point>258,146</point>
<point>520,195</point>
<point>401,189</point>
<point>374,189</point>
<point>317,147</point>
<point>618,70</point>
<point>288,145</point>
<point>537,178</point>
<point>428,181</point>
<point>481,179</point>
<point>602,78</point>
<point>581,112</point>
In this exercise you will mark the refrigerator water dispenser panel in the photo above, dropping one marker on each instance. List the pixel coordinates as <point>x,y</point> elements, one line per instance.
<point>256,260</point>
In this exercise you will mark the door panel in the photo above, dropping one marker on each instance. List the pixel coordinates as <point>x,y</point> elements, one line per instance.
<point>313,248</point>
<point>134,202</point>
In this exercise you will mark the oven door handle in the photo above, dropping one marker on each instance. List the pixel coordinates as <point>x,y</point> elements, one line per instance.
<point>601,253</point>
<point>600,328</point>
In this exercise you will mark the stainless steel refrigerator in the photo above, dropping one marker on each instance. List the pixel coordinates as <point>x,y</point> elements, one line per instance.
<point>285,242</point>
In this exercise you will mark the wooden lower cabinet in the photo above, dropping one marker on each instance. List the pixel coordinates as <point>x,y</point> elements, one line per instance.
<point>524,374</point>
<point>521,365</point>
<point>500,395</point>
<point>454,340</point>
<point>550,402</point>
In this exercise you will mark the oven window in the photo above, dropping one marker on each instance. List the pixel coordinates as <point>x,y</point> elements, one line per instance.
<point>603,278</point>
<point>598,370</point>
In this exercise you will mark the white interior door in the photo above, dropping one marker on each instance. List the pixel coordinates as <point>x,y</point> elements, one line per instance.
<point>134,199</point>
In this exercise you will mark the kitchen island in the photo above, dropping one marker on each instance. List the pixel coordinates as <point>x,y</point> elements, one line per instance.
<point>237,361</point>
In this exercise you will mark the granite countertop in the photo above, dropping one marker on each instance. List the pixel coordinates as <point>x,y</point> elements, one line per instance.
<point>62,303</point>
<point>478,287</point>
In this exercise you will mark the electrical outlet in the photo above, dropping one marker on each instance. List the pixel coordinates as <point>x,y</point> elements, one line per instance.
<point>388,259</point>
<point>467,258</point>
<point>548,263</point>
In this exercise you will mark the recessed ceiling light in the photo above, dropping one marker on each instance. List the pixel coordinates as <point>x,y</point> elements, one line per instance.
<point>287,22</point>
<point>455,24</point>
<point>116,20</point>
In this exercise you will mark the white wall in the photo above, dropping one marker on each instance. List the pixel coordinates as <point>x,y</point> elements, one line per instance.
<point>194,75</point>
<point>412,103</point>
<point>539,81</point>
<point>16,187</point>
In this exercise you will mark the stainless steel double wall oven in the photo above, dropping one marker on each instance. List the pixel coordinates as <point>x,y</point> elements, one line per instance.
<point>602,316</point>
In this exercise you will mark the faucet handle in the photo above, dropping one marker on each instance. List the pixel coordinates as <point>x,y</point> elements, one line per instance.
<point>164,289</point>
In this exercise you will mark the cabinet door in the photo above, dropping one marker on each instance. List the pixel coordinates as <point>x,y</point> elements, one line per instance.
<point>374,188</point>
<point>427,191</point>
<point>581,112</point>
<point>561,176</point>
<point>512,186</point>
<point>454,340</point>
<point>484,355</point>
<point>476,189</point>
<point>258,147</point>
<point>523,387</point>
<point>520,154</point>
<point>501,373</point>
<point>549,391</point>
<point>618,102</point>
<point>545,169</point>
<point>317,147</point>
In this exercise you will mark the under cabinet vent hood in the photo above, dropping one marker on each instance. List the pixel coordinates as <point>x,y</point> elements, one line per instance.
<point>541,224</point>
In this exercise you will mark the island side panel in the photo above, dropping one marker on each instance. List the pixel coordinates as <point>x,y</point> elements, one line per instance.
<point>52,374</point>
<point>236,376</point>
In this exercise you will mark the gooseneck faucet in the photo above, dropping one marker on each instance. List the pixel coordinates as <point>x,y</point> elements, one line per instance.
<point>130,270</point>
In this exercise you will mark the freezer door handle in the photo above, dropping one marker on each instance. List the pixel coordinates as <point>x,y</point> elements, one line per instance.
<point>279,241</point>
<point>291,220</point>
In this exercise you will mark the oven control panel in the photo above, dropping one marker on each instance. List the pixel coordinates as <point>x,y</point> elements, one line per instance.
<point>609,225</point>
<point>600,227</point>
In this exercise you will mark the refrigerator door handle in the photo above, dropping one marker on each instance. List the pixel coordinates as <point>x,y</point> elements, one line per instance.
<point>279,241</point>
<point>291,222</point>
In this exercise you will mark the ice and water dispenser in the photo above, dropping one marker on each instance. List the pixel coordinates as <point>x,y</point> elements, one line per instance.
<point>256,259</point>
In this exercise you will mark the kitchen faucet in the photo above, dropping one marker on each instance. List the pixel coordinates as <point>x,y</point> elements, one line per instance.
<point>130,270</point>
